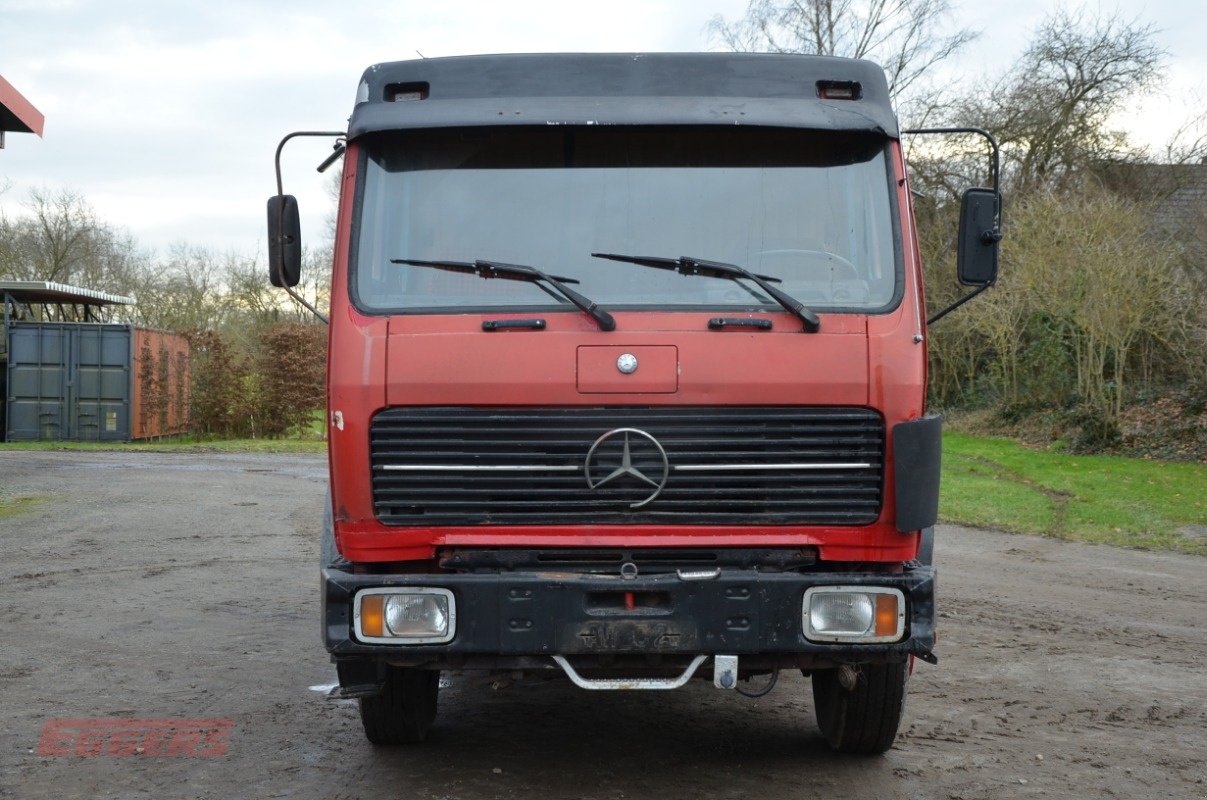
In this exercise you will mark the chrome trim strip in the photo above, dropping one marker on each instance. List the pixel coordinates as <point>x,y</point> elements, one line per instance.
<point>478,468</point>
<point>721,467</point>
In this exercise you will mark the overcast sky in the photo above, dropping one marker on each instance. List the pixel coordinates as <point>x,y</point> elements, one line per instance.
<point>165,115</point>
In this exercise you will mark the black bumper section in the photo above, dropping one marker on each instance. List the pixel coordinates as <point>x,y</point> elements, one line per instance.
<point>740,612</point>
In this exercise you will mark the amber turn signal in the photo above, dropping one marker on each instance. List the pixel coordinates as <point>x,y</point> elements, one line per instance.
<point>371,616</point>
<point>886,615</point>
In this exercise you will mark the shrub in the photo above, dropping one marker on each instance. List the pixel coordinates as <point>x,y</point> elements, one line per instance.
<point>292,371</point>
<point>266,392</point>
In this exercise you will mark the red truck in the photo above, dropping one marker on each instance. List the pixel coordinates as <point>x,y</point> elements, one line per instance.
<point>627,380</point>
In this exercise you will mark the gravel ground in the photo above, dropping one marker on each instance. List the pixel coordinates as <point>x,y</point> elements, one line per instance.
<point>185,586</point>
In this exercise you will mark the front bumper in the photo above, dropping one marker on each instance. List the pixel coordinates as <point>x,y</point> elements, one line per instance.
<point>507,615</point>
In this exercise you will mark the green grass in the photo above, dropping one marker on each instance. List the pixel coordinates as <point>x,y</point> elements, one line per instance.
<point>1131,502</point>
<point>316,428</point>
<point>309,437</point>
<point>12,506</point>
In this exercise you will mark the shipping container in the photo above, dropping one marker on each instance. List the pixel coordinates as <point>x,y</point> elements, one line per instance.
<point>87,381</point>
<point>159,384</point>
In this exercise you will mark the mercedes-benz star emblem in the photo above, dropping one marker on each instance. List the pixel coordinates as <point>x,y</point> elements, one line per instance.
<point>627,363</point>
<point>615,449</point>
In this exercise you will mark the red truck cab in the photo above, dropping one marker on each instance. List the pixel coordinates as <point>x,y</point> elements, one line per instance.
<point>626,381</point>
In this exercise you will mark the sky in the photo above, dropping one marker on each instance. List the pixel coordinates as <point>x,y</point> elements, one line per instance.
<point>165,114</point>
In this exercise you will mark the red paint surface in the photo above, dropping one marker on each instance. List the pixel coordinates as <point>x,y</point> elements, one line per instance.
<point>657,369</point>
<point>447,360</point>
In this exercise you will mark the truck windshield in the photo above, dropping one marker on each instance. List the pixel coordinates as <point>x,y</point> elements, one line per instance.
<point>808,207</point>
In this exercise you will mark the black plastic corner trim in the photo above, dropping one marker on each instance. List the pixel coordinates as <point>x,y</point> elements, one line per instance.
<point>917,446</point>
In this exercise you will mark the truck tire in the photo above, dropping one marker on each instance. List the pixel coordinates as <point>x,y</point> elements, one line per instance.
<point>404,709</point>
<point>862,720</point>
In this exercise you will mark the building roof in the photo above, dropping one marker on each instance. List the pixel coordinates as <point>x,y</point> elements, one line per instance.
<point>51,292</point>
<point>16,113</point>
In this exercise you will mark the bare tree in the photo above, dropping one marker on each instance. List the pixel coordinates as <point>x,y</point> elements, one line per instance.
<point>60,239</point>
<point>1052,111</point>
<point>53,241</point>
<point>1188,144</point>
<point>180,292</point>
<point>905,37</point>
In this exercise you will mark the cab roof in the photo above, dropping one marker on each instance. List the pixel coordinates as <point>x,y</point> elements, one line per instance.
<point>759,89</point>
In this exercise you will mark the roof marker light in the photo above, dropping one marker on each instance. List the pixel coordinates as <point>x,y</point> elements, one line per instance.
<point>398,92</point>
<point>839,90</point>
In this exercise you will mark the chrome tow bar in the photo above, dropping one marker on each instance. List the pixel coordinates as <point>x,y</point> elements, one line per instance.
<point>601,684</point>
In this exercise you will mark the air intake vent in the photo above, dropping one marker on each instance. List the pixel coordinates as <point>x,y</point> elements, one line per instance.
<point>715,465</point>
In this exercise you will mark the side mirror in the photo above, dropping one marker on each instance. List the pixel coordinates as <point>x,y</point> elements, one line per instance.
<point>284,241</point>
<point>976,258</point>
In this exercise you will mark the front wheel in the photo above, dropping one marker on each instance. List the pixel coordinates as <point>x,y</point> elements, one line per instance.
<point>404,709</point>
<point>863,718</point>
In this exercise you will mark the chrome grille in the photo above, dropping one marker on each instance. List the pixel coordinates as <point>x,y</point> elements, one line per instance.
<point>727,466</point>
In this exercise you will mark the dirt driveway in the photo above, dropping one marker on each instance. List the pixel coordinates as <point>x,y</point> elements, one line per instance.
<point>185,586</point>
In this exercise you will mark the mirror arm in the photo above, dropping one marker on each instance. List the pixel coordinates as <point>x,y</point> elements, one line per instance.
<point>988,237</point>
<point>995,162</point>
<point>302,301</point>
<point>958,303</point>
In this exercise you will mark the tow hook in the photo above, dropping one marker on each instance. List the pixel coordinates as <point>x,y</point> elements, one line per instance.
<point>725,672</point>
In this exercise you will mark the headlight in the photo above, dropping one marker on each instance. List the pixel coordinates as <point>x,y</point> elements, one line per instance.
<point>853,614</point>
<point>405,615</point>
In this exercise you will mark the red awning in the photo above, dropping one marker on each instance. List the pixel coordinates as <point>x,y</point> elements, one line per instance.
<point>16,113</point>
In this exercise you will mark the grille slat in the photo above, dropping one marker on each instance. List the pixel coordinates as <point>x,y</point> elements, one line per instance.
<point>719,436</point>
<point>789,492</point>
<point>576,478</point>
<point>506,456</point>
<point>458,444</point>
<point>605,503</point>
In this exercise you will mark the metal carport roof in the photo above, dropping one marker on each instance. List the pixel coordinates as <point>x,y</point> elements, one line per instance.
<point>16,113</point>
<point>51,292</point>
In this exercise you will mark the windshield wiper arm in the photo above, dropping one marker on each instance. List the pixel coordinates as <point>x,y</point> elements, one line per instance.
<point>520,272</point>
<point>686,265</point>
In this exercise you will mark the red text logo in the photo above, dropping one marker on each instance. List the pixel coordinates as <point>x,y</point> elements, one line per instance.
<point>135,737</point>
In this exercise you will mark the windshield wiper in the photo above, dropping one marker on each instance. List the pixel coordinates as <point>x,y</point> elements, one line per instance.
<point>519,272</point>
<point>686,265</point>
